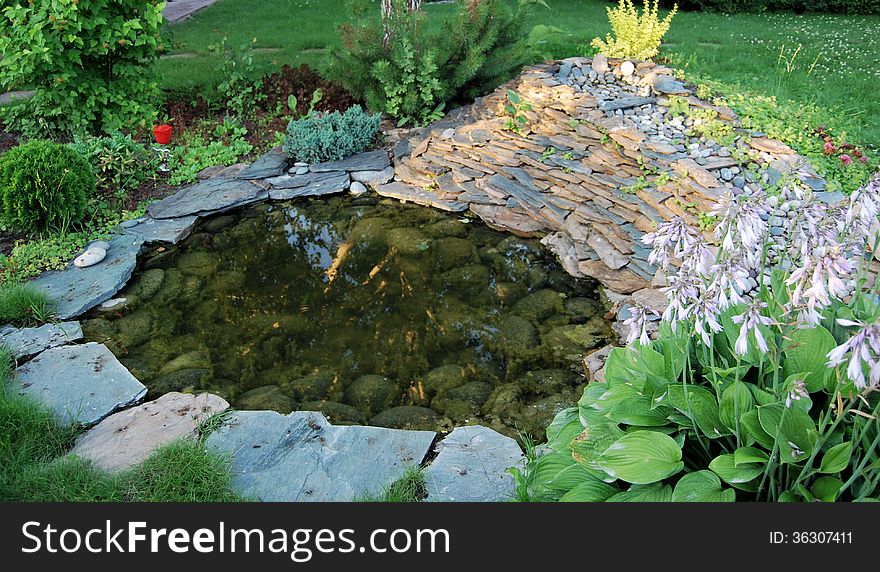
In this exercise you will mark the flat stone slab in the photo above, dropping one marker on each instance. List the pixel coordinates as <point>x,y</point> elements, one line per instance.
<point>407,193</point>
<point>171,230</point>
<point>208,197</point>
<point>271,164</point>
<point>302,457</point>
<point>471,466</point>
<point>369,161</point>
<point>127,438</point>
<point>626,103</point>
<point>288,187</point>
<point>81,384</point>
<point>77,290</point>
<point>26,342</point>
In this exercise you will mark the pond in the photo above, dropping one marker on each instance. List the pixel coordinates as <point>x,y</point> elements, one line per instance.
<point>368,310</point>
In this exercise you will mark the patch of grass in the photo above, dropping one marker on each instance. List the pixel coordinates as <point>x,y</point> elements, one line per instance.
<point>23,305</point>
<point>34,466</point>
<point>408,488</point>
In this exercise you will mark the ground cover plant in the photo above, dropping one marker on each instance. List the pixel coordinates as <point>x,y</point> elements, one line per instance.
<point>769,394</point>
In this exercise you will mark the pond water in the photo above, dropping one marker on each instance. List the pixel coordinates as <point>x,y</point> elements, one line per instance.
<point>369,311</point>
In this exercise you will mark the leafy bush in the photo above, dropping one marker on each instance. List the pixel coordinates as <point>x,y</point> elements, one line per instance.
<point>23,305</point>
<point>88,62</point>
<point>239,91</point>
<point>120,163</point>
<point>743,388</point>
<point>44,186</point>
<point>225,147</point>
<point>636,36</point>
<point>478,48</point>
<point>331,136</point>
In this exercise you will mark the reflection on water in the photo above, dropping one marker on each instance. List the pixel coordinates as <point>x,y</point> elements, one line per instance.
<point>372,312</point>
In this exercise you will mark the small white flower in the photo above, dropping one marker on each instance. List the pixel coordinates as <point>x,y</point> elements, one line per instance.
<point>751,321</point>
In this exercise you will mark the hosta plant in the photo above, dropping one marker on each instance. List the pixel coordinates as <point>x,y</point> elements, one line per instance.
<point>762,383</point>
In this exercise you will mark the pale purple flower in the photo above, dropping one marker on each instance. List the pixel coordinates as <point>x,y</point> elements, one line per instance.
<point>638,323</point>
<point>671,239</point>
<point>818,280</point>
<point>682,292</point>
<point>705,311</point>
<point>751,321</point>
<point>698,257</point>
<point>862,349</point>
<point>797,392</point>
<point>742,228</point>
<point>728,282</point>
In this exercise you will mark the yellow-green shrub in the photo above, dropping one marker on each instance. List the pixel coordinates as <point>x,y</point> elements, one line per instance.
<point>636,36</point>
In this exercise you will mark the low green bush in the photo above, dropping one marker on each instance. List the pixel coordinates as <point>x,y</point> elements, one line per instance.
<point>23,305</point>
<point>767,394</point>
<point>44,186</point>
<point>331,136</point>
<point>120,163</point>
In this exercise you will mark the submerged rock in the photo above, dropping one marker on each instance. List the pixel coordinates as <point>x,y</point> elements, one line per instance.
<point>338,413</point>
<point>407,417</point>
<point>517,335</point>
<point>182,380</point>
<point>443,378</point>
<point>372,393</point>
<point>451,252</point>
<point>540,305</point>
<point>407,241</point>
<point>318,386</point>
<point>268,397</point>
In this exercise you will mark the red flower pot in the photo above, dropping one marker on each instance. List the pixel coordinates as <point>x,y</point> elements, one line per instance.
<point>162,133</point>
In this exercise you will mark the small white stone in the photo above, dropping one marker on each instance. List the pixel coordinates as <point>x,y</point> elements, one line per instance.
<point>627,68</point>
<point>300,164</point>
<point>100,244</point>
<point>302,170</point>
<point>110,304</point>
<point>90,257</point>
<point>357,188</point>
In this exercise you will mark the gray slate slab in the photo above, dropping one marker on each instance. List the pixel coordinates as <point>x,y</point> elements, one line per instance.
<point>626,103</point>
<point>288,187</point>
<point>208,197</point>
<point>26,342</point>
<point>404,192</point>
<point>302,457</point>
<point>76,290</point>
<point>271,164</point>
<point>171,230</point>
<point>369,161</point>
<point>81,384</point>
<point>471,466</point>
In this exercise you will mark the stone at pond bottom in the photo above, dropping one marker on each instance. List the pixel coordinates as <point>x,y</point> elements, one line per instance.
<point>127,438</point>
<point>471,466</point>
<point>76,290</point>
<point>302,457</point>
<point>90,257</point>
<point>31,341</point>
<point>81,384</point>
<point>371,393</point>
<point>337,413</point>
<point>266,397</point>
<point>406,417</point>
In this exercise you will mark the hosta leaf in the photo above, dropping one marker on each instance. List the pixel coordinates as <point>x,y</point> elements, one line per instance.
<point>806,351</point>
<point>753,429</point>
<point>624,365</point>
<point>826,488</point>
<point>637,411</point>
<point>642,457</point>
<point>614,395</point>
<point>836,458</point>
<point>749,456</point>
<point>725,467</point>
<point>702,486</point>
<point>696,403</point>
<point>594,390</point>
<point>564,427</point>
<point>797,431</point>
<point>597,436</point>
<point>590,491</point>
<point>650,493</point>
<point>735,401</point>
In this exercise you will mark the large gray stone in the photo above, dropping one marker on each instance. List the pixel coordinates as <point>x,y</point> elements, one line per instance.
<point>407,193</point>
<point>626,103</point>
<point>208,197</point>
<point>302,457</point>
<point>171,230</point>
<point>27,342</point>
<point>471,466</point>
<point>271,164</point>
<point>81,384</point>
<point>369,161</point>
<point>127,438</point>
<point>373,178</point>
<point>288,187</point>
<point>76,290</point>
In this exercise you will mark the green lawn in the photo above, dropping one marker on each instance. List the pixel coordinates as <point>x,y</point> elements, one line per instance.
<point>831,61</point>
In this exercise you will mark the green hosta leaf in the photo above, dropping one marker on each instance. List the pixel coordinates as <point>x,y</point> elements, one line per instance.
<point>565,426</point>
<point>797,431</point>
<point>749,421</point>
<point>749,456</point>
<point>594,390</point>
<point>624,365</point>
<point>725,467</point>
<point>735,401</point>
<point>644,493</point>
<point>642,457</point>
<point>826,488</point>
<point>697,403</point>
<point>836,458</point>
<point>637,411</point>
<point>702,486</point>
<point>789,496</point>
<point>594,440</point>
<point>806,351</point>
<point>761,397</point>
<point>592,490</point>
<point>615,395</point>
